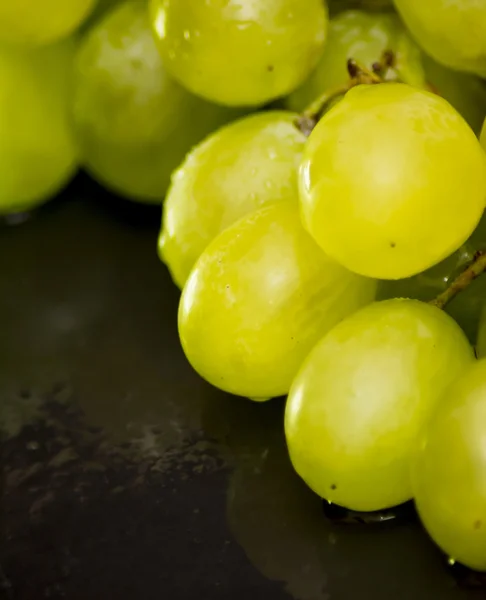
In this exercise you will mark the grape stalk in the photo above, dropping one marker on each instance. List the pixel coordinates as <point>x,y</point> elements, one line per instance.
<point>476,268</point>
<point>359,75</point>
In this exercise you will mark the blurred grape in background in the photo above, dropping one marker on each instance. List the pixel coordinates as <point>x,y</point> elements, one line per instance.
<point>451,31</point>
<point>34,23</point>
<point>133,122</point>
<point>38,154</point>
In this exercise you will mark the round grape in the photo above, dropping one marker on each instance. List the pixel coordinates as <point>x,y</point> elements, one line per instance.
<point>393,181</point>
<point>451,31</point>
<point>240,53</point>
<point>238,169</point>
<point>449,472</point>
<point>357,406</point>
<point>259,298</point>
<point>36,22</point>
<point>134,124</point>
<point>38,154</point>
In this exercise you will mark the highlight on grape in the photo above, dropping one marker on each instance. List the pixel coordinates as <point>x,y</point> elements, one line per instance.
<point>321,174</point>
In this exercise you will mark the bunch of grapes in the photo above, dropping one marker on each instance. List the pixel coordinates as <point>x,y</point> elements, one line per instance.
<point>323,187</point>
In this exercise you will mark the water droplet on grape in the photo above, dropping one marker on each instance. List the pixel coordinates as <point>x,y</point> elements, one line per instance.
<point>160,23</point>
<point>243,26</point>
<point>176,175</point>
<point>187,35</point>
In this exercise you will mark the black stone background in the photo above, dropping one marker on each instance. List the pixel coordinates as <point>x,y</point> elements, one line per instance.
<point>125,476</point>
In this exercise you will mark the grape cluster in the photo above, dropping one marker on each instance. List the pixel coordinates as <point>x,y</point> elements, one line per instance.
<point>323,184</point>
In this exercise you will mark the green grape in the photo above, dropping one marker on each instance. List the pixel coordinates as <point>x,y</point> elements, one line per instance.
<point>393,181</point>
<point>240,53</point>
<point>365,37</point>
<point>361,398</point>
<point>449,472</point>
<point>134,124</point>
<point>451,31</point>
<point>259,298</point>
<point>37,150</point>
<point>36,22</point>
<point>238,169</point>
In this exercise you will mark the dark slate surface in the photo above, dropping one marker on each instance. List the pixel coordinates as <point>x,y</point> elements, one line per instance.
<point>124,475</point>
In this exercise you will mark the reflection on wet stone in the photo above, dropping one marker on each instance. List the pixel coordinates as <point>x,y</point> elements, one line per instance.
<point>467,579</point>
<point>280,524</point>
<point>403,513</point>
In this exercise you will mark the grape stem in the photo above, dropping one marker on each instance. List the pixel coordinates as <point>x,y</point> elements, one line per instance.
<point>476,268</point>
<point>359,75</point>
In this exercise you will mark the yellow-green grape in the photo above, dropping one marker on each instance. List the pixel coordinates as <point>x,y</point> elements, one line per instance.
<point>451,31</point>
<point>240,53</point>
<point>365,37</point>
<point>238,169</point>
<point>37,151</point>
<point>258,299</point>
<point>393,181</point>
<point>361,398</point>
<point>449,473</point>
<point>134,124</point>
<point>40,22</point>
